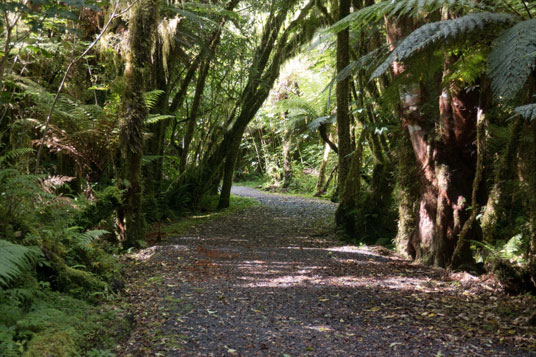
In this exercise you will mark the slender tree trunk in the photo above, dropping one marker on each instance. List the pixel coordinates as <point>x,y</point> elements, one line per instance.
<point>532,204</point>
<point>322,170</point>
<point>343,218</point>
<point>407,192</point>
<point>133,113</point>
<point>461,246</point>
<point>287,166</point>
<point>343,91</point>
<point>200,87</point>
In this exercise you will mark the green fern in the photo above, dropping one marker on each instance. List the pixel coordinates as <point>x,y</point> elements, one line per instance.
<point>527,111</point>
<point>155,118</point>
<point>83,240</point>
<point>513,59</point>
<point>151,98</point>
<point>442,32</point>
<point>15,259</point>
<point>15,154</point>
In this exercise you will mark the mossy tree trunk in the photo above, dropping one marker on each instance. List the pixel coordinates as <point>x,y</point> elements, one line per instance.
<point>286,153</point>
<point>502,188</point>
<point>343,216</point>
<point>322,171</point>
<point>444,157</point>
<point>154,146</point>
<point>343,96</point>
<point>407,193</point>
<point>133,113</point>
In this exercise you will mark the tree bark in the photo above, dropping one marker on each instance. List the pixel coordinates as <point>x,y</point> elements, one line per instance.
<point>287,166</point>
<point>501,190</point>
<point>200,86</point>
<point>322,171</point>
<point>407,195</point>
<point>343,95</point>
<point>458,257</point>
<point>131,221</point>
<point>445,160</point>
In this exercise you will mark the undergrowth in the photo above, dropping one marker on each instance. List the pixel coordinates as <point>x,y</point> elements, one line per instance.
<point>57,268</point>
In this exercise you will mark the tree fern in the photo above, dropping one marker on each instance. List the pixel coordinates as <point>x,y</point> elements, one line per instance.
<point>513,59</point>
<point>327,119</point>
<point>15,259</point>
<point>442,32</point>
<point>527,111</point>
<point>377,12</point>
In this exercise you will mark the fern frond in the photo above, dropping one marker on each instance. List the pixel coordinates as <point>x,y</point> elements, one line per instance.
<point>151,98</point>
<point>155,118</point>
<point>15,154</point>
<point>15,259</point>
<point>147,159</point>
<point>442,32</point>
<point>528,111</point>
<point>328,119</point>
<point>364,63</point>
<point>298,106</point>
<point>52,182</point>
<point>83,240</point>
<point>376,13</point>
<point>513,59</point>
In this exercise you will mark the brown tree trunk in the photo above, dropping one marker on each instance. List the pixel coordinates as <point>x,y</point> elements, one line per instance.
<point>445,160</point>
<point>322,171</point>
<point>199,88</point>
<point>458,258</point>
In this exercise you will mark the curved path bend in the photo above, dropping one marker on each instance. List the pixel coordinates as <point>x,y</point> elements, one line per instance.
<point>273,281</point>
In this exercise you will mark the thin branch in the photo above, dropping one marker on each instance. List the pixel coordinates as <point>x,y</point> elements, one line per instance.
<point>62,83</point>
<point>526,8</point>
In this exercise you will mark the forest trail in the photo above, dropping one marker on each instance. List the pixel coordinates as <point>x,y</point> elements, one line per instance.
<point>273,281</point>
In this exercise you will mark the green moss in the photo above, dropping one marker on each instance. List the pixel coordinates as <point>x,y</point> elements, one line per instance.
<point>59,325</point>
<point>52,343</point>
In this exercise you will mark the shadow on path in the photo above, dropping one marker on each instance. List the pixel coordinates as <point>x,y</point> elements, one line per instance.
<point>273,281</point>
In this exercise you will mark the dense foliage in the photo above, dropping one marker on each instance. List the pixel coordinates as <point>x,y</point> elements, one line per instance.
<point>417,116</point>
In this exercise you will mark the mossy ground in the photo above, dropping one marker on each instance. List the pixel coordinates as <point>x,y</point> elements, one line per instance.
<point>54,324</point>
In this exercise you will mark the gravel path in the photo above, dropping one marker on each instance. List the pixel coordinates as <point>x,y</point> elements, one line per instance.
<point>273,281</point>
